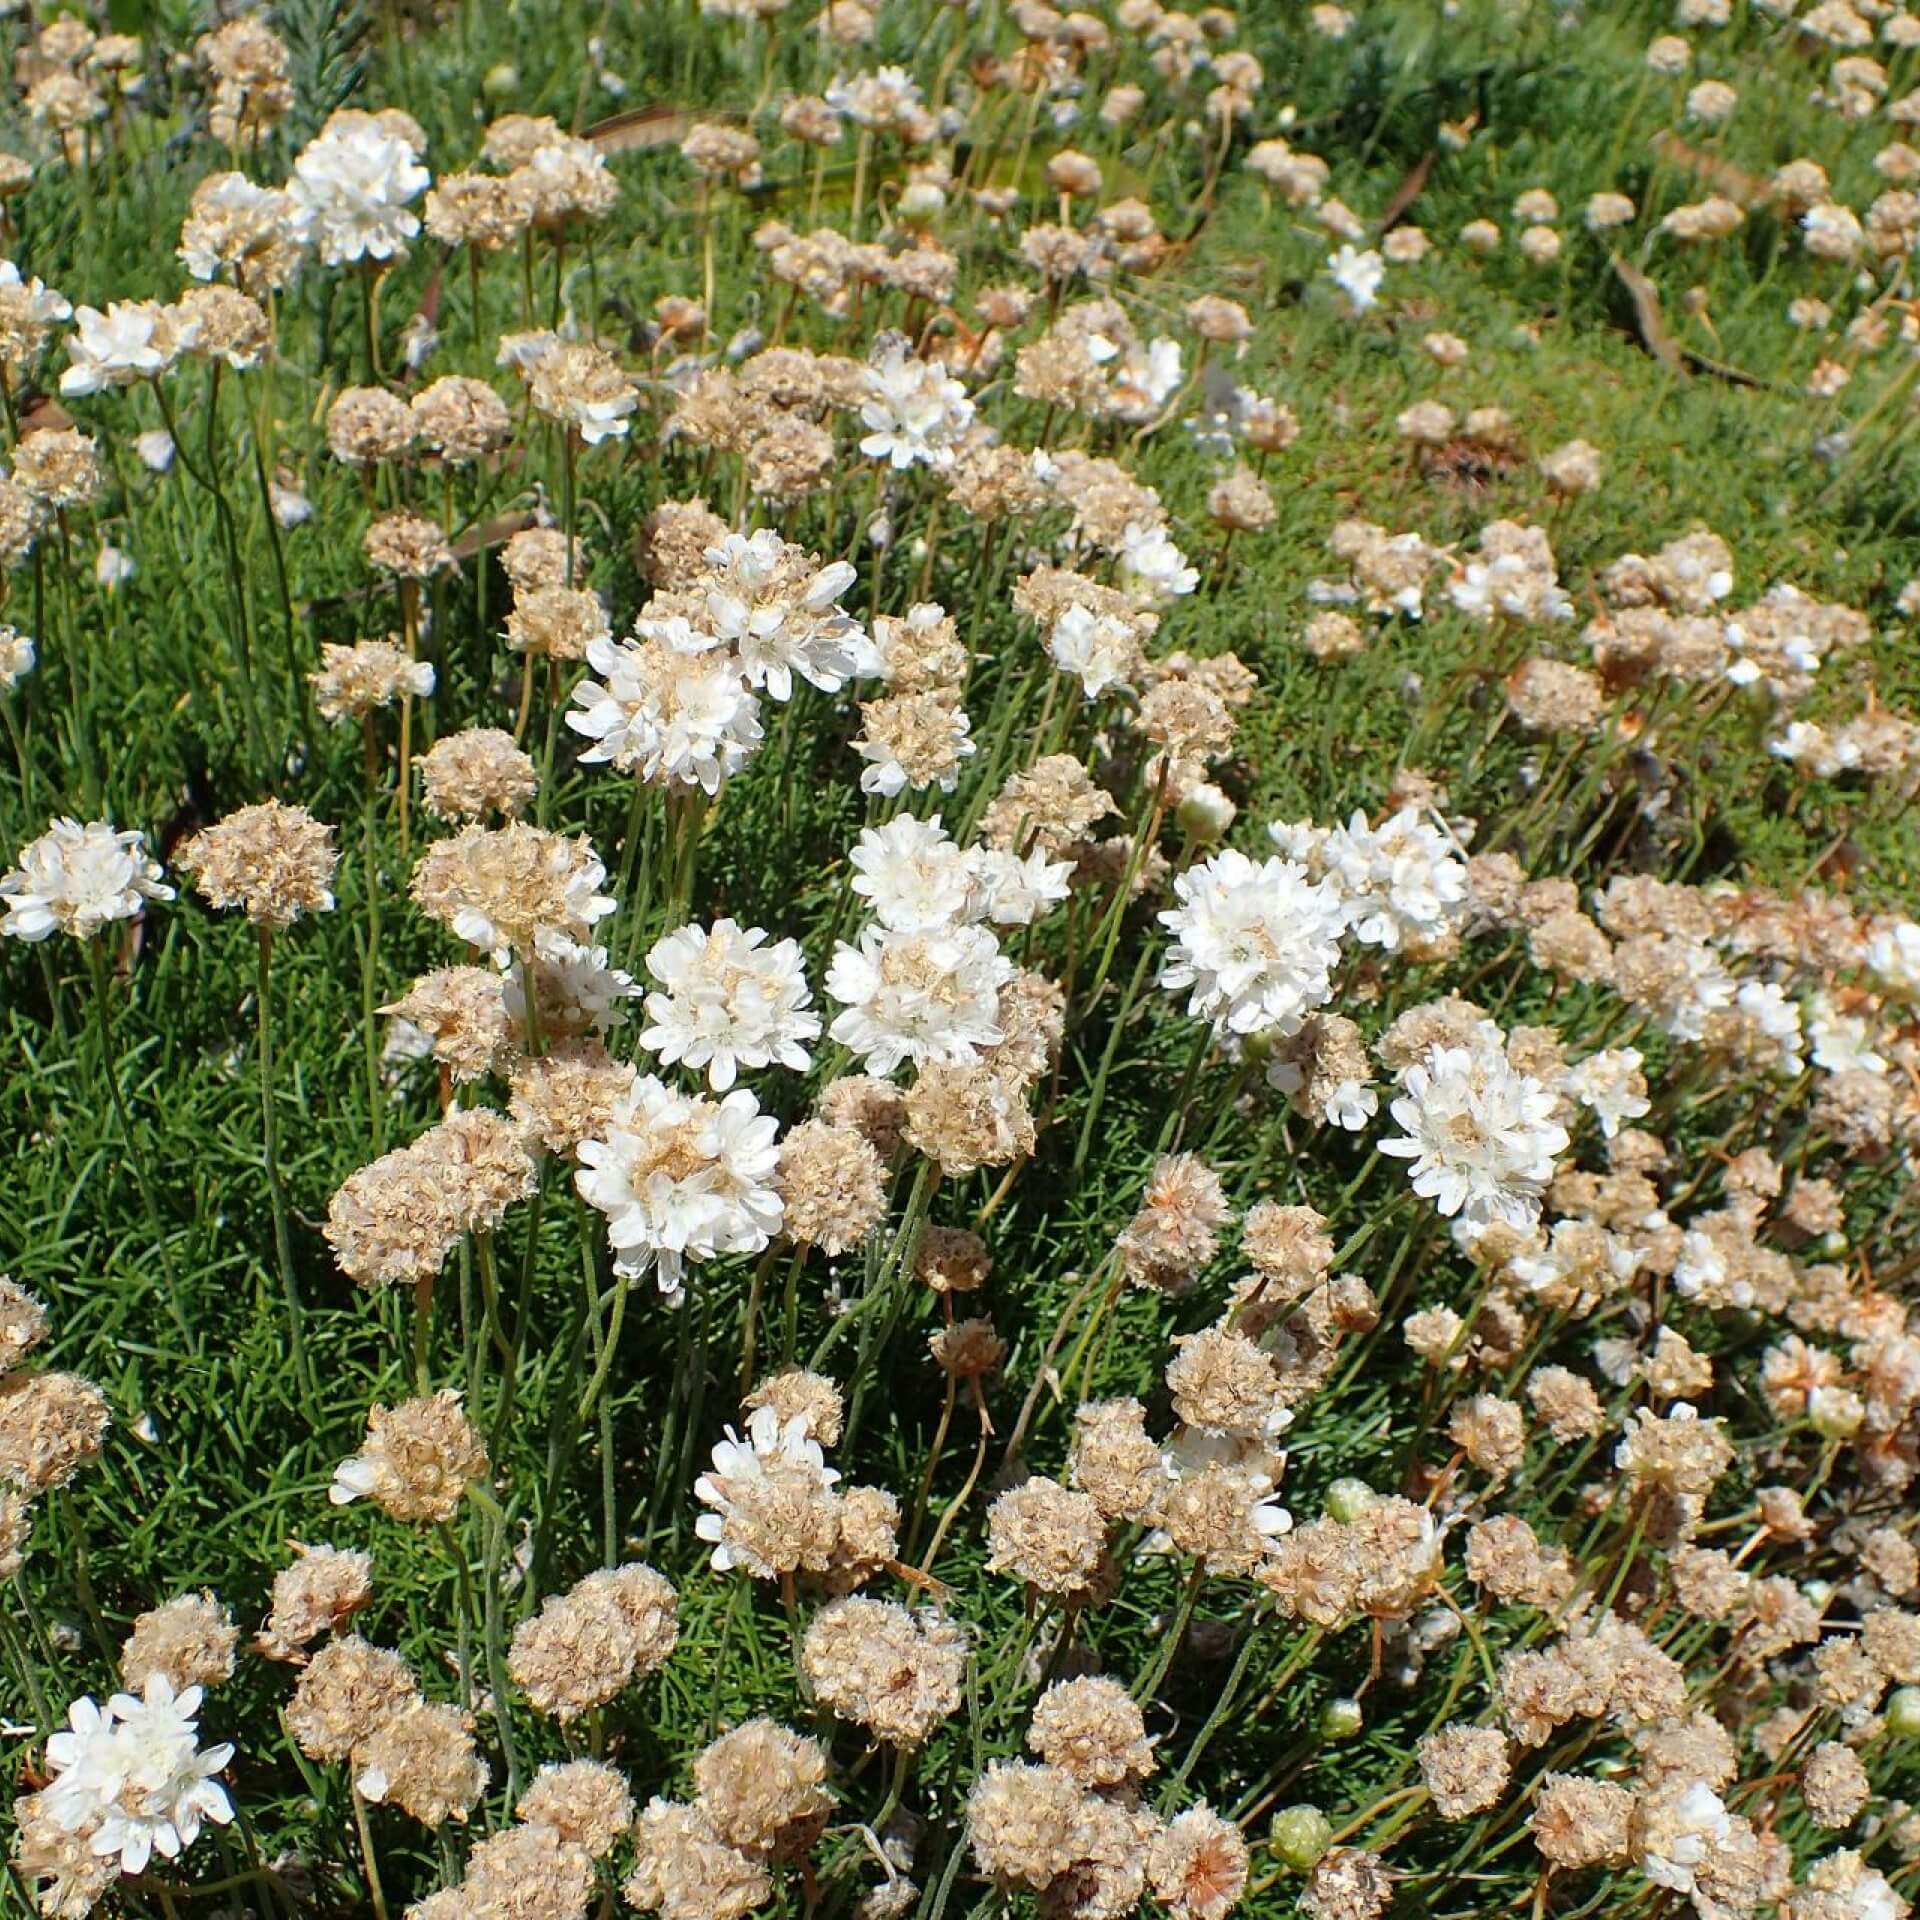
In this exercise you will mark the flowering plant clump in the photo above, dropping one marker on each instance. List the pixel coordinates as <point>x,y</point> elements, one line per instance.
<point>988,967</point>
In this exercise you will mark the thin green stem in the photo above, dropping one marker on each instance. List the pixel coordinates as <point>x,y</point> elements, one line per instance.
<point>276,1184</point>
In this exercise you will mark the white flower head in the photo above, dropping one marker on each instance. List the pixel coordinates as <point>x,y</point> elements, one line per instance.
<point>729,1001</point>
<point>680,1178</point>
<point>912,875</point>
<point>1101,650</point>
<point>925,996</point>
<point>353,186</point>
<point>79,880</point>
<point>1481,1135</point>
<point>667,710</point>
<point>914,411</point>
<point>1011,890</point>
<point>1893,957</point>
<point>1401,882</point>
<point>781,613</point>
<point>17,657</point>
<point>1358,275</point>
<point>1842,1042</point>
<point>1772,1017</point>
<point>1255,943</point>
<point>43,304</point>
<point>1151,567</point>
<point>1608,1082</point>
<point>580,990</point>
<point>134,1776</point>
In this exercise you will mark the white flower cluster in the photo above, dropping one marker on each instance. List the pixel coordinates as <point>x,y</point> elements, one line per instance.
<point>923,983</point>
<point>1401,884</point>
<point>680,1178</point>
<point>133,1777</point>
<point>678,704</point>
<point>1480,1134</point>
<point>79,879</point>
<point>354,185</point>
<point>1255,942</point>
<point>728,1001</point>
<point>914,411</point>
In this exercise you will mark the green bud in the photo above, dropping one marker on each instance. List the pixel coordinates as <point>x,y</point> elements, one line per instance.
<point>1341,1719</point>
<point>1300,1835</point>
<point>1903,1712</point>
<point>1835,1413</point>
<point>1348,1499</point>
<point>501,82</point>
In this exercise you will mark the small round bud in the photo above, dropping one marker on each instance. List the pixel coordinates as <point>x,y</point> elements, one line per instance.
<point>1300,1835</point>
<point>1903,1713</point>
<point>1348,1499</point>
<point>1341,1719</point>
<point>1835,1413</point>
<point>1205,813</point>
<point>502,82</point>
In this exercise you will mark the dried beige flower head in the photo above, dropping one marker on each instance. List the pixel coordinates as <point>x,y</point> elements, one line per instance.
<point>1197,1865</point>
<point>57,468</point>
<point>538,557</point>
<point>875,1108</point>
<point>1348,1883</point>
<point>796,1394</point>
<point>51,1425</point>
<point>463,1013</point>
<point>1177,1230</point>
<point>588,1644</point>
<point>1023,1823</point>
<point>317,1592</point>
<point>68,1877</point>
<point>1048,1535</point>
<point>190,1640</point>
<point>557,623</point>
<point>952,1260</point>
<point>1834,1785</point>
<point>351,682</point>
<point>461,419</point>
<point>1092,1729</point>
<point>584,1801</point>
<point>416,1460</point>
<point>366,424</point>
<point>833,1186</point>
<point>468,775</point>
<point>569,1094</point>
<point>1581,1823</point>
<point>23,1323</point>
<point>501,888</point>
<point>684,1870</point>
<point>407,545</point>
<point>966,1117</point>
<point>764,1788</point>
<point>1465,1769</point>
<point>347,1691</point>
<point>533,1870</point>
<point>1048,807</point>
<point>274,862</point>
<point>422,1760</point>
<point>967,1349</point>
<point>896,1673</point>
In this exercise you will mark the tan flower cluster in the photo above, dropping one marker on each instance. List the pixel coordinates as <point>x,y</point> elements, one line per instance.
<point>587,1645</point>
<point>274,862</point>
<point>416,1461</point>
